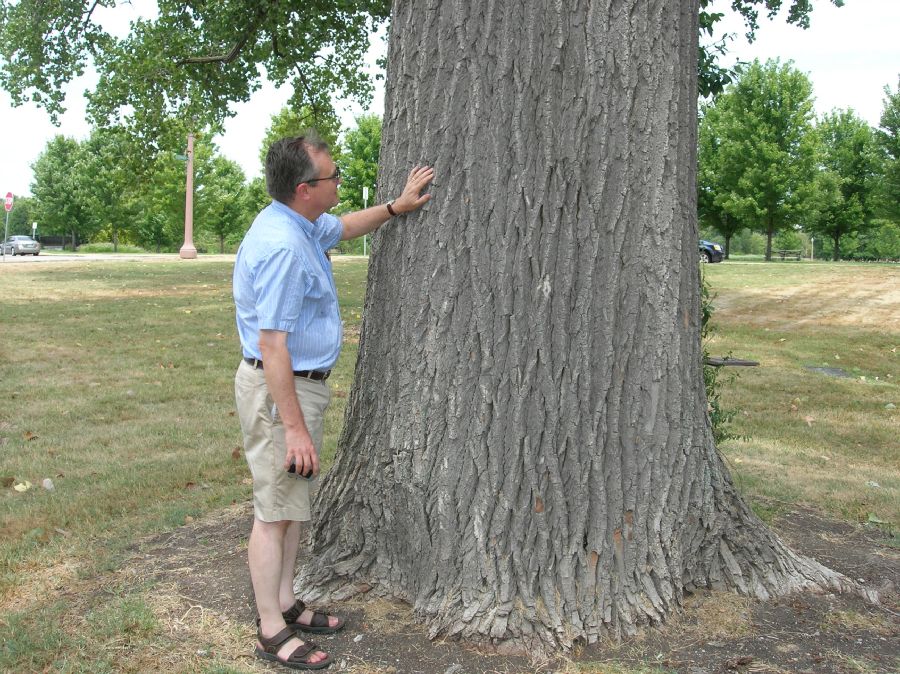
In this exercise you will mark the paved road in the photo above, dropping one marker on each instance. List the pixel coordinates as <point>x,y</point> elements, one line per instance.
<point>44,258</point>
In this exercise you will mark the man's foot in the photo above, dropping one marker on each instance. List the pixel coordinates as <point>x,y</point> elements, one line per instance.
<point>286,649</point>
<point>301,618</point>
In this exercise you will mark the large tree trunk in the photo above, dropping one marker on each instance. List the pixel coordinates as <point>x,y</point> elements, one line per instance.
<point>526,456</point>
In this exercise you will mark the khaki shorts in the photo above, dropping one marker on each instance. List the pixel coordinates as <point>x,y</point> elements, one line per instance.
<point>276,495</point>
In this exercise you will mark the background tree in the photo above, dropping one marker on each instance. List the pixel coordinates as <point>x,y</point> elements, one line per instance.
<point>222,201</point>
<point>109,181</point>
<point>359,161</point>
<point>888,136</point>
<point>843,203</point>
<point>359,168</point>
<point>257,197</point>
<point>160,224</point>
<point>23,214</point>
<point>56,188</point>
<point>714,198</point>
<point>765,148</point>
<point>528,404</point>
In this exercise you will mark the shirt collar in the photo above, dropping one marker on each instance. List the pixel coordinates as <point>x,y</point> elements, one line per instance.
<point>307,226</point>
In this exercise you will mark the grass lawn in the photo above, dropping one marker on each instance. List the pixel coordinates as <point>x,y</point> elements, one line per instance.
<point>116,382</point>
<point>828,441</point>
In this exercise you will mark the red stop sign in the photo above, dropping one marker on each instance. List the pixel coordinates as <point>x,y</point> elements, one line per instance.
<point>9,201</point>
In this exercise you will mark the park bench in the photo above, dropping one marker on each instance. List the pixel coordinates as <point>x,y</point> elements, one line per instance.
<point>783,254</point>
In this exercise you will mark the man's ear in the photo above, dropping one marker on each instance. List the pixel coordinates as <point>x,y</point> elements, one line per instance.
<point>301,192</point>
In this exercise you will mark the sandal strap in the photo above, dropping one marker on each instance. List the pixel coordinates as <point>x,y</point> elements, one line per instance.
<point>291,615</point>
<point>301,652</point>
<point>272,644</point>
<point>319,619</point>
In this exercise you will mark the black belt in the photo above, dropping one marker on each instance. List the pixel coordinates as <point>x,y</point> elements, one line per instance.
<point>257,364</point>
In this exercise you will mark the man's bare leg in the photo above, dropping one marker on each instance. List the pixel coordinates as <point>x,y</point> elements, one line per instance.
<point>269,542</point>
<point>286,589</point>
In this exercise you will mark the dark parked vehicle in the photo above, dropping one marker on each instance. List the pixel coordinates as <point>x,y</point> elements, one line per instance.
<point>711,252</point>
<point>20,245</point>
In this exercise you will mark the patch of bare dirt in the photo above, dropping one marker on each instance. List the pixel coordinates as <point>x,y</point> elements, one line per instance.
<point>858,297</point>
<point>201,592</point>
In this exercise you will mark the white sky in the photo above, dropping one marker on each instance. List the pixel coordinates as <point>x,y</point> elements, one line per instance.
<point>850,53</point>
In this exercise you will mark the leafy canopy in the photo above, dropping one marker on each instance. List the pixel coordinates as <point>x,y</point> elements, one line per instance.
<point>179,70</point>
<point>191,60</point>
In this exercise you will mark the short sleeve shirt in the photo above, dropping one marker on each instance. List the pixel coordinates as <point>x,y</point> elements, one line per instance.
<point>283,281</point>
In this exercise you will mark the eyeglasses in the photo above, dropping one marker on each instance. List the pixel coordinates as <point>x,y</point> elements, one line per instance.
<point>335,176</point>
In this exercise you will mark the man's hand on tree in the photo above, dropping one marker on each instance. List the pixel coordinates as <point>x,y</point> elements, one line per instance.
<point>412,198</point>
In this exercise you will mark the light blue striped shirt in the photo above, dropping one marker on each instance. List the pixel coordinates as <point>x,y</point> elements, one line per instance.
<point>283,281</point>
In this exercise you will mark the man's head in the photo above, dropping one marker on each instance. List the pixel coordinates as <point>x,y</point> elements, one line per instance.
<point>301,174</point>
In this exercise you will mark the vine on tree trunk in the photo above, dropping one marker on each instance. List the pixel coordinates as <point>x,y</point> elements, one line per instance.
<point>720,417</point>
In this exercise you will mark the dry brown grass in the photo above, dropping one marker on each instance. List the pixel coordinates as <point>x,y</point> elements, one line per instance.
<point>856,295</point>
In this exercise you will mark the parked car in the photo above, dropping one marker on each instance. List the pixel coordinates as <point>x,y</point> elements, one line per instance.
<point>21,245</point>
<point>711,252</point>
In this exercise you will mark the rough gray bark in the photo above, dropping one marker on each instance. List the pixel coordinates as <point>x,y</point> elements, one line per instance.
<point>526,455</point>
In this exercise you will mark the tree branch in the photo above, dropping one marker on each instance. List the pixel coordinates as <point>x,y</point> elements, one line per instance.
<point>222,58</point>
<point>261,14</point>
<point>87,17</point>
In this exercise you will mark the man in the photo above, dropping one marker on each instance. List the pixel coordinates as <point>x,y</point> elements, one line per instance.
<point>290,330</point>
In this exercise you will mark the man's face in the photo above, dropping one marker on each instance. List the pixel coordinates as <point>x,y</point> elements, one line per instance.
<point>324,189</point>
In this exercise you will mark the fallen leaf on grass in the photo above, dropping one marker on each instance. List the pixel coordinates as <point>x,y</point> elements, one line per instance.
<point>236,453</point>
<point>247,480</point>
<point>7,481</point>
<point>190,485</point>
<point>29,436</point>
<point>22,487</point>
<point>62,532</point>
<point>809,420</point>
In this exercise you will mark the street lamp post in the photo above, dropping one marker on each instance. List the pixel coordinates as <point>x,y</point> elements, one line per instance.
<point>8,205</point>
<point>188,252</point>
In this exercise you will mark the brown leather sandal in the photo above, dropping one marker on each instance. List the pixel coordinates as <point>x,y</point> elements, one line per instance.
<point>299,659</point>
<point>318,624</point>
